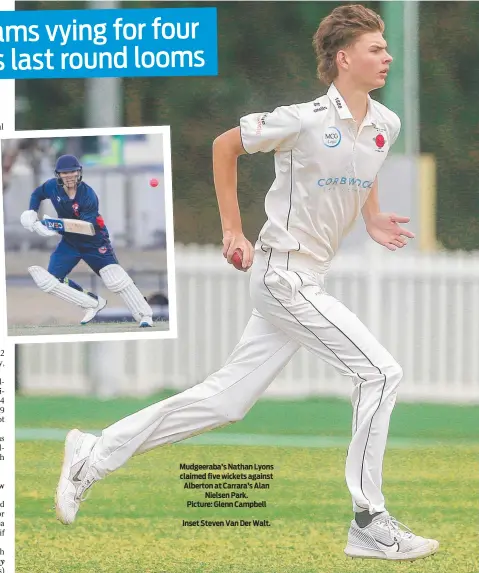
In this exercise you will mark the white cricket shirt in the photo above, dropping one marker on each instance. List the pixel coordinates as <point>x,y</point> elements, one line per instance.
<point>325,167</point>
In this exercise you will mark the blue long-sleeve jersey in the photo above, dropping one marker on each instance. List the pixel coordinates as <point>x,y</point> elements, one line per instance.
<point>84,206</point>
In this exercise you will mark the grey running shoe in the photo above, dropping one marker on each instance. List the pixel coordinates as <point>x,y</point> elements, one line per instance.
<point>387,538</point>
<point>75,478</point>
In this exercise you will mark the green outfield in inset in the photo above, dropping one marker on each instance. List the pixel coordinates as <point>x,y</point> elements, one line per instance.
<point>133,519</point>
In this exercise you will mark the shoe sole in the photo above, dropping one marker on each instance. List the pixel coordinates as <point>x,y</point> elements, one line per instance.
<point>361,553</point>
<point>70,443</point>
<point>97,311</point>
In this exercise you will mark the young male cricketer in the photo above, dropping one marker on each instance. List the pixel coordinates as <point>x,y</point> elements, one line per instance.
<point>327,156</point>
<point>72,198</point>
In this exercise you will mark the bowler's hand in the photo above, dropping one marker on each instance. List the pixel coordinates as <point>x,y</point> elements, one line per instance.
<point>233,241</point>
<point>384,228</point>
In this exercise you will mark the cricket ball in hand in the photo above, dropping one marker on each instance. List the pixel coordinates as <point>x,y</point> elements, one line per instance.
<point>237,260</point>
<point>153,182</point>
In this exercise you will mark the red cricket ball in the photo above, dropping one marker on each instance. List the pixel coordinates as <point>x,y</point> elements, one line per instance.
<point>153,182</point>
<point>237,260</point>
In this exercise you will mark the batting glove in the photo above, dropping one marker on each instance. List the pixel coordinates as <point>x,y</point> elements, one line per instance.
<point>28,219</point>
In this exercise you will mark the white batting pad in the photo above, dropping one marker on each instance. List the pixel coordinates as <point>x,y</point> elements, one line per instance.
<point>50,284</point>
<point>118,280</point>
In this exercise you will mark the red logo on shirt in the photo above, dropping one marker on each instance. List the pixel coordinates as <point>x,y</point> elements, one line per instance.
<point>380,141</point>
<point>102,250</point>
<point>76,209</point>
<point>100,222</point>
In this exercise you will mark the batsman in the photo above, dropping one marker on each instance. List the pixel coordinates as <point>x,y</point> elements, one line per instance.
<point>76,202</point>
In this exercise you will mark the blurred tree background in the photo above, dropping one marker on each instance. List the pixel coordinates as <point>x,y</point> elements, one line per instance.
<point>266,59</point>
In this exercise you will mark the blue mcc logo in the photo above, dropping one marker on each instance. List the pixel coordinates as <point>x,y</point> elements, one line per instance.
<point>332,137</point>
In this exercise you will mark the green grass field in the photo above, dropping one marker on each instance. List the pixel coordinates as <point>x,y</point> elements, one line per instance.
<point>132,520</point>
<point>91,328</point>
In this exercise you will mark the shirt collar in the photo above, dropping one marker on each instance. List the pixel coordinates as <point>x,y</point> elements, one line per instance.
<point>343,110</point>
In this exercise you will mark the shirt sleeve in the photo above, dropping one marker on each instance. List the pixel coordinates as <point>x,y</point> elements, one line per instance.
<point>395,130</point>
<point>37,197</point>
<point>266,131</point>
<point>89,211</point>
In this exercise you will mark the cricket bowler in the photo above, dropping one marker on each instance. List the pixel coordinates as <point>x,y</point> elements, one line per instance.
<point>76,203</point>
<point>327,156</point>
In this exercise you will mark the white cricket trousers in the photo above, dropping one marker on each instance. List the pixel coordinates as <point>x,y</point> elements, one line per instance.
<point>291,310</point>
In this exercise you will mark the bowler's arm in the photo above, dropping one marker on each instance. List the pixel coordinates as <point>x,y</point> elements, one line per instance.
<point>371,206</point>
<point>226,149</point>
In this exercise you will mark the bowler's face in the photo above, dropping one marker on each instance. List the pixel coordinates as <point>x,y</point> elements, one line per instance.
<point>369,61</point>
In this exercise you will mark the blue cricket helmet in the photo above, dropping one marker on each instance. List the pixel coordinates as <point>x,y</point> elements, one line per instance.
<point>65,164</point>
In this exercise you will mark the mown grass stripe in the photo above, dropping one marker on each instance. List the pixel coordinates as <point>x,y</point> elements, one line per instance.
<point>222,439</point>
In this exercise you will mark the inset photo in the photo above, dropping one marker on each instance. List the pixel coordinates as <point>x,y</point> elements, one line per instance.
<point>88,234</point>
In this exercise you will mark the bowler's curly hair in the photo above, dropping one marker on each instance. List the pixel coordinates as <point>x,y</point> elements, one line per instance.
<point>339,30</point>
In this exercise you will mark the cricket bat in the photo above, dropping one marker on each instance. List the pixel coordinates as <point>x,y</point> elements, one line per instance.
<point>69,226</point>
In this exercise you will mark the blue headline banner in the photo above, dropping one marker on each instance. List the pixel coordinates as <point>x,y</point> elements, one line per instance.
<point>108,43</point>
